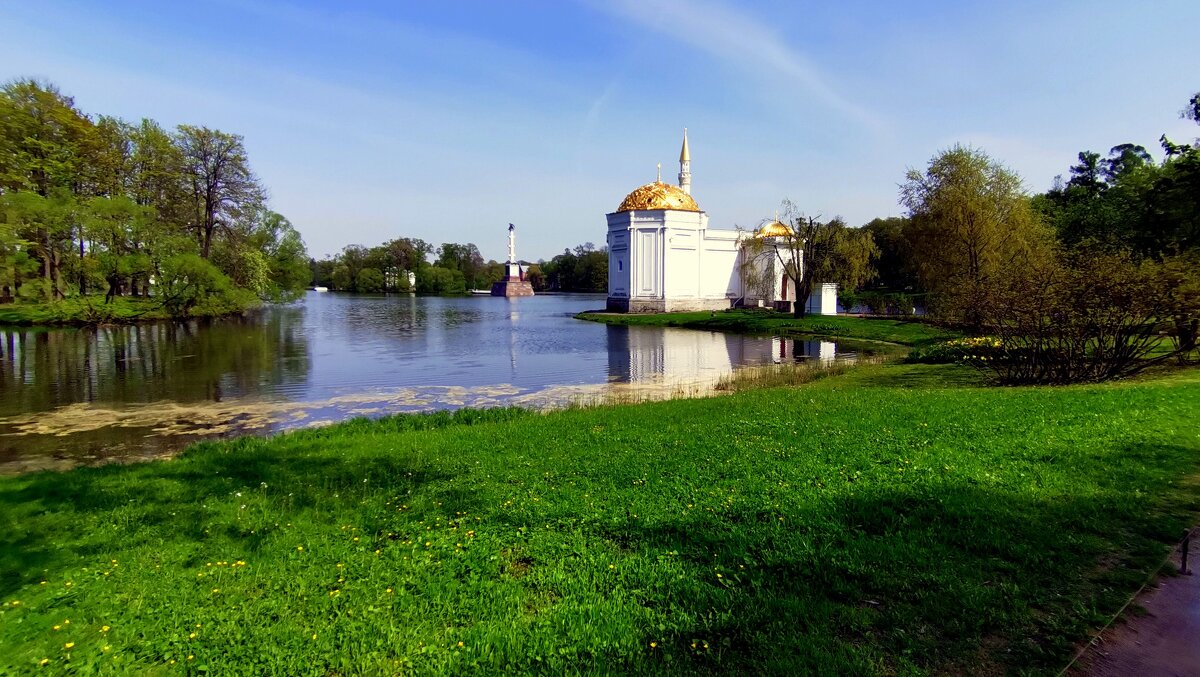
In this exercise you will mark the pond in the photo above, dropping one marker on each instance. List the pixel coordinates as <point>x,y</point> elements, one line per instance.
<point>70,396</point>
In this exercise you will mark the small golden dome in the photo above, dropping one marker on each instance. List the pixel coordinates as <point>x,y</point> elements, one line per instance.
<point>658,195</point>
<point>773,229</point>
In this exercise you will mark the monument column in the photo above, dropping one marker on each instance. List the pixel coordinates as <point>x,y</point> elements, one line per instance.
<point>513,283</point>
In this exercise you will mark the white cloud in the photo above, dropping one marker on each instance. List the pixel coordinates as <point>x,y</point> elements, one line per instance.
<point>743,41</point>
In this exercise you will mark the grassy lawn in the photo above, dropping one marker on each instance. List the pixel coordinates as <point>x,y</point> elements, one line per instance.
<point>897,519</point>
<point>906,332</point>
<point>84,310</point>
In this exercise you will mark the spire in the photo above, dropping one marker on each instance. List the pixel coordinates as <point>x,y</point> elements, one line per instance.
<point>659,179</point>
<point>685,166</point>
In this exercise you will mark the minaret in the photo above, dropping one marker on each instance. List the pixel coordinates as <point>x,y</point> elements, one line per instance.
<point>685,166</point>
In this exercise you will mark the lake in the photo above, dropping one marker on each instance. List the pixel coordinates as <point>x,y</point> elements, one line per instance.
<point>71,396</point>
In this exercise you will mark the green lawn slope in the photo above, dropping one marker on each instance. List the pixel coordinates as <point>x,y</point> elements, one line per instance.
<point>898,519</point>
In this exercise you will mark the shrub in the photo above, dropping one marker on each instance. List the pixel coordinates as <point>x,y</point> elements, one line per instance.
<point>1087,315</point>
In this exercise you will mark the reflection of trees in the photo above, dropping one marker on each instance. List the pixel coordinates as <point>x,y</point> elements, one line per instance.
<point>185,362</point>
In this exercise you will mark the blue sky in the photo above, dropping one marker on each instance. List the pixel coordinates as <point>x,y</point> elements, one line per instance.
<point>447,121</point>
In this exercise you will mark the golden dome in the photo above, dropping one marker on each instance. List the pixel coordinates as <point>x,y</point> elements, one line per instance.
<point>658,195</point>
<point>774,229</point>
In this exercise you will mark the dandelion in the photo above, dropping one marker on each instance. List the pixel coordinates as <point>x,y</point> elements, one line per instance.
<point>460,645</point>
<point>653,645</point>
<point>300,548</point>
<point>44,661</point>
<point>190,657</point>
<point>68,645</point>
<point>105,648</point>
<point>192,636</point>
<point>389,590</point>
<point>104,628</point>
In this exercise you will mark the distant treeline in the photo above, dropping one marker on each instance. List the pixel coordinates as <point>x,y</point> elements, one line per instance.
<point>98,205</point>
<point>455,269</point>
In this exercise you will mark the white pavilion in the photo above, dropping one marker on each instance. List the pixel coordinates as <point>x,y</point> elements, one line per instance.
<point>663,257</point>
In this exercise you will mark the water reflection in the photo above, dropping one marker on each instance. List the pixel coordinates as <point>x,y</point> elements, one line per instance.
<point>67,394</point>
<point>683,355</point>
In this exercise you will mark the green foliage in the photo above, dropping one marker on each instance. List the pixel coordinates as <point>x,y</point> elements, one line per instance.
<point>584,269</point>
<point>88,203</point>
<point>1083,315</point>
<point>969,219</point>
<point>438,280</point>
<point>369,280</point>
<point>819,251</point>
<point>465,260</point>
<point>189,284</point>
<point>884,523</point>
<point>892,266</point>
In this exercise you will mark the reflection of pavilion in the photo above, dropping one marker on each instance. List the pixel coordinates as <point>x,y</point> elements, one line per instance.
<point>642,353</point>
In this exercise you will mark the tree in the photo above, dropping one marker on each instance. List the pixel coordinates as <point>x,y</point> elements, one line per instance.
<point>893,268</point>
<point>222,185</point>
<point>969,218</point>
<point>466,259</point>
<point>369,280</point>
<point>822,251</point>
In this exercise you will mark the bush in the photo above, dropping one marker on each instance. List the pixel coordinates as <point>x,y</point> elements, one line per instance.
<point>1088,315</point>
<point>189,285</point>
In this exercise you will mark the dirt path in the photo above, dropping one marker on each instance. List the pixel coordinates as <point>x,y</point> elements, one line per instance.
<point>1163,641</point>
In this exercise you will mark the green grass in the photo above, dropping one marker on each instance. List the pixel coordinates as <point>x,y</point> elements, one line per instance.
<point>905,332</point>
<point>897,519</point>
<point>84,310</point>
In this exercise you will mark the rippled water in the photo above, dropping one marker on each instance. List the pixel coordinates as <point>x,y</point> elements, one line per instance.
<point>80,395</point>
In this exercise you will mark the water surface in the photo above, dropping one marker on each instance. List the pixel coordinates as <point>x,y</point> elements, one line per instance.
<point>83,395</point>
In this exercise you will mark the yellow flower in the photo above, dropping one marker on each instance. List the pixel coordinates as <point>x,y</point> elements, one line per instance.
<point>192,636</point>
<point>389,590</point>
<point>105,647</point>
<point>314,636</point>
<point>460,645</point>
<point>68,645</point>
<point>57,627</point>
<point>104,628</point>
<point>190,657</point>
<point>216,590</point>
<point>44,661</point>
<point>653,645</point>
<point>299,548</point>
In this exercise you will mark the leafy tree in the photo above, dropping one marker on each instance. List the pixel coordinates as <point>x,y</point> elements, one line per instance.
<point>369,280</point>
<point>438,280</point>
<point>466,259</point>
<point>823,251</point>
<point>220,181</point>
<point>969,218</point>
<point>340,278</point>
<point>893,268</point>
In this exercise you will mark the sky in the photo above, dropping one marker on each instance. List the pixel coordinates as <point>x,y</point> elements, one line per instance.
<point>447,121</point>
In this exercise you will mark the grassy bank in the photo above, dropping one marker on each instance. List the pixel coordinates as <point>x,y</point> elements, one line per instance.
<point>893,519</point>
<point>87,310</point>
<point>906,332</point>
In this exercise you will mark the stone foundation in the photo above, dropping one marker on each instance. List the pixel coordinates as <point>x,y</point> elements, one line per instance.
<point>512,287</point>
<point>618,304</point>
